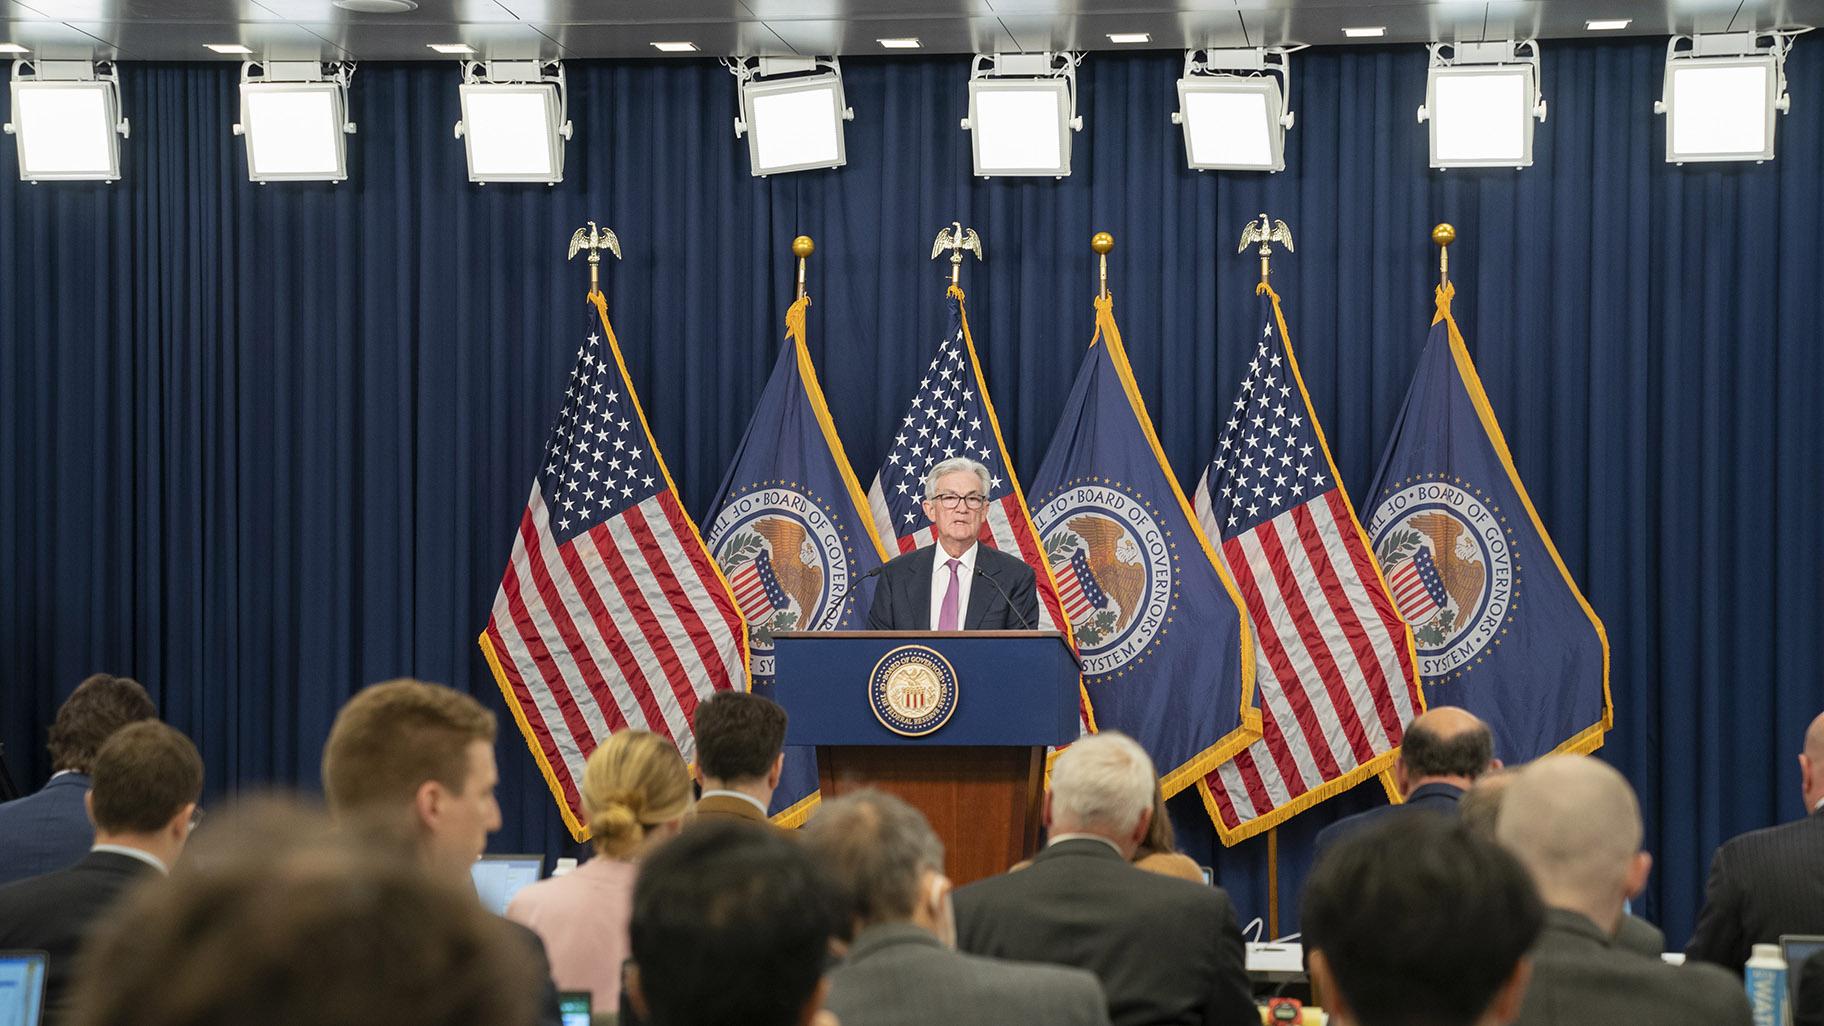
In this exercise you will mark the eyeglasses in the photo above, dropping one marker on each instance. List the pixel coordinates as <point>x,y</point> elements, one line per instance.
<point>952,501</point>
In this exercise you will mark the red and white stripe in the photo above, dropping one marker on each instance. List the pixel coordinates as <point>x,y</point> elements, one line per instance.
<point>751,593</point>
<point>626,625</point>
<point>1333,674</point>
<point>1409,593</point>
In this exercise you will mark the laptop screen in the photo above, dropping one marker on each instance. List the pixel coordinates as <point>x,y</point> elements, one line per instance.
<point>573,1007</point>
<point>499,877</point>
<point>1796,948</point>
<point>21,987</point>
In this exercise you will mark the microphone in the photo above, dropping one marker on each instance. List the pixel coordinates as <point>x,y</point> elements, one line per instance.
<point>843,599</point>
<point>1025,624</point>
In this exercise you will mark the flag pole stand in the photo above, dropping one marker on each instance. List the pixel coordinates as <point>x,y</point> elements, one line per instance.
<point>1272,884</point>
<point>1102,242</point>
<point>1443,235</point>
<point>802,248</point>
<point>593,240</point>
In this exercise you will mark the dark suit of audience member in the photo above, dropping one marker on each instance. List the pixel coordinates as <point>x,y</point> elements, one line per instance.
<point>1808,1006</point>
<point>902,968</point>
<point>1581,975</point>
<point>1575,824</point>
<point>1166,950</point>
<point>1762,885</point>
<point>50,829</point>
<point>55,913</point>
<point>1443,752</point>
<point>45,831</point>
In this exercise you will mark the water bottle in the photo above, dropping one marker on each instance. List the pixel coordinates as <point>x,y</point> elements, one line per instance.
<point>1765,976</point>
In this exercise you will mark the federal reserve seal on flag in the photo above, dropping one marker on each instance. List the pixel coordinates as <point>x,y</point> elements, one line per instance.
<point>1451,566</point>
<point>912,690</point>
<point>1116,569</point>
<point>785,561</point>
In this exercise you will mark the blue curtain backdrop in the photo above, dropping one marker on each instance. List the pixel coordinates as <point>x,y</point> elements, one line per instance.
<point>264,444</point>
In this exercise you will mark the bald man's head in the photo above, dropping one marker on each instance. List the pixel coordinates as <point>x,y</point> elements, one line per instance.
<point>1811,765</point>
<point>1575,825</point>
<point>1446,744</point>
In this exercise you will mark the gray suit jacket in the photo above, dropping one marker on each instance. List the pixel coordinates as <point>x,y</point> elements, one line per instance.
<point>898,974</point>
<point>1580,975</point>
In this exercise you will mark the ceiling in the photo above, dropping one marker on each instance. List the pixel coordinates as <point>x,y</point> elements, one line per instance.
<point>178,29</point>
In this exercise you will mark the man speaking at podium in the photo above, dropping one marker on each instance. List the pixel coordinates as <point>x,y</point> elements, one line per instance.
<point>958,584</point>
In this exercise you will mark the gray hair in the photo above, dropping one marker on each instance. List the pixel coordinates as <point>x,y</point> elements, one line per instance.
<point>1103,783</point>
<point>877,848</point>
<point>951,466</point>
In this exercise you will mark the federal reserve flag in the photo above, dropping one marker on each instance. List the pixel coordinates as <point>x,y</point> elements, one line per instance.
<point>1168,656</point>
<point>791,531</point>
<point>1334,668</point>
<point>610,613</point>
<point>1500,626</point>
<point>951,415</point>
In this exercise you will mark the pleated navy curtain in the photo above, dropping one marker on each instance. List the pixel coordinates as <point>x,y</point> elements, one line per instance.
<point>265,444</point>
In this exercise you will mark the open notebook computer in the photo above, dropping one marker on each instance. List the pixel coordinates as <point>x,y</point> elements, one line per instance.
<point>499,877</point>
<point>21,988</point>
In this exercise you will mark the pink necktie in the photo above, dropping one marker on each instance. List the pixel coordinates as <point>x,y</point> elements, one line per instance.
<point>946,613</point>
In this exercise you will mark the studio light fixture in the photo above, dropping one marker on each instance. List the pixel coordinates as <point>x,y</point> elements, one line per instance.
<point>1482,100</point>
<point>900,43</point>
<point>229,49</point>
<point>1233,106</point>
<point>515,121</point>
<point>1721,93</point>
<point>14,48</point>
<point>66,120</point>
<point>792,110</point>
<point>453,49</point>
<point>294,116</point>
<point>1365,31</point>
<point>1130,37</point>
<point>1607,24</point>
<point>1022,109</point>
<point>675,46</point>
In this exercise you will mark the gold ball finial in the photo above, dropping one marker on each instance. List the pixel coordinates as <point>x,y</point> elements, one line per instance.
<point>802,246</point>
<point>1444,235</point>
<point>1102,242</point>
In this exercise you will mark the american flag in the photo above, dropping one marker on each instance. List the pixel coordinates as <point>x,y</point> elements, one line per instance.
<point>1334,669</point>
<point>1417,588</point>
<point>950,416</point>
<point>610,613</point>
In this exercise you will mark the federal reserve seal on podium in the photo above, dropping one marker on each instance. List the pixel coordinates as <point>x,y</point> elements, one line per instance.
<point>912,690</point>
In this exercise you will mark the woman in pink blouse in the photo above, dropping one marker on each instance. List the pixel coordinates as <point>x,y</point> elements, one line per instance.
<point>636,792</point>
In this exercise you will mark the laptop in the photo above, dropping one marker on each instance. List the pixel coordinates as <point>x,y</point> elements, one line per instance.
<point>1796,948</point>
<point>21,988</point>
<point>498,878</point>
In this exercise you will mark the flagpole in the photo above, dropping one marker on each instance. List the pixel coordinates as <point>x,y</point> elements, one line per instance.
<point>593,240</point>
<point>1102,242</point>
<point>1272,884</point>
<point>802,248</point>
<point>1443,235</point>
<point>956,240</point>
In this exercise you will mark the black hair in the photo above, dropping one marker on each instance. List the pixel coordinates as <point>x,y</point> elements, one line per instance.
<point>731,927</point>
<point>1420,921</point>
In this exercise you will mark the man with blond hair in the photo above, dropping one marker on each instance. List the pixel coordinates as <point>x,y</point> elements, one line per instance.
<point>1574,823</point>
<point>1166,950</point>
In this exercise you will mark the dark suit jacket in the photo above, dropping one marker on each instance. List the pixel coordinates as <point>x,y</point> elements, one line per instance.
<point>902,598</point>
<point>1808,1007</point>
<point>1430,798</point>
<point>1762,884</point>
<point>1167,951</point>
<point>1581,976</point>
<point>898,974</point>
<point>45,831</point>
<point>55,913</point>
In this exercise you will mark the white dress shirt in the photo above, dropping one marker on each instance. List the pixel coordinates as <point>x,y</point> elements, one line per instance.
<point>940,582</point>
<point>135,853</point>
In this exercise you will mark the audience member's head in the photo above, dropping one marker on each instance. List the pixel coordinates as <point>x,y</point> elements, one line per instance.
<point>1445,745</point>
<point>98,707</point>
<point>887,862</point>
<point>1104,785</point>
<point>145,784</point>
<point>1159,839</point>
<point>740,743</point>
<point>1420,923</point>
<point>271,920</point>
<point>1481,804</point>
<point>1811,765</point>
<point>414,763</point>
<point>731,927</point>
<point>1573,822</point>
<point>636,792</point>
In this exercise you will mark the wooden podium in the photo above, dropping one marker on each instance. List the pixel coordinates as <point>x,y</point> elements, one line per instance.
<point>979,775</point>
